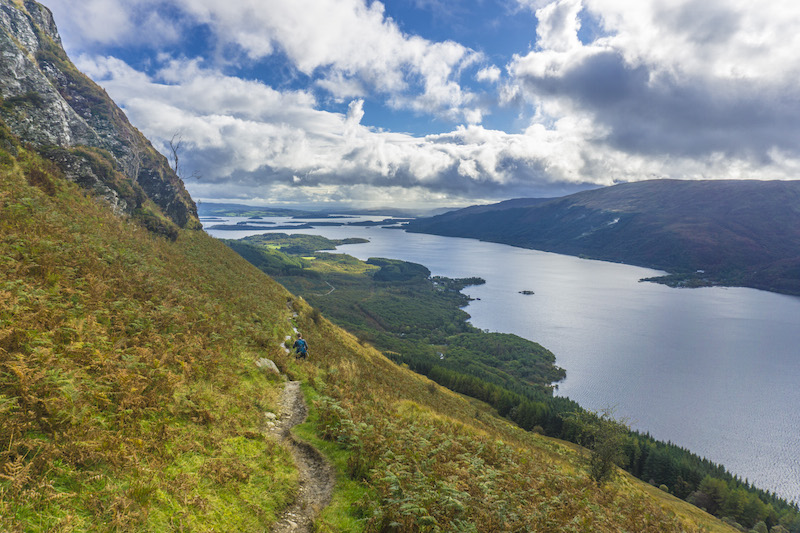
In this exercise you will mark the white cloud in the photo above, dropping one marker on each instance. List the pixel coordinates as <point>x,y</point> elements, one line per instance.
<point>558,25</point>
<point>731,39</point>
<point>348,47</point>
<point>708,39</point>
<point>241,134</point>
<point>113,22</point>
<point>245,136</point>
<point>680,89</point>
<point>490,74</point>
<point>342,87</point>
<point>355,112</point>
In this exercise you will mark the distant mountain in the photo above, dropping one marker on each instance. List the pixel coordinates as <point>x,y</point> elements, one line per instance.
<point>728,232</point>
<point>225,209</point>
<point>207,209</point>
<point>46,102</point>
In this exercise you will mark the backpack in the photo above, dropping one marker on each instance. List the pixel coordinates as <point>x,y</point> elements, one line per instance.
<point>302,347</point>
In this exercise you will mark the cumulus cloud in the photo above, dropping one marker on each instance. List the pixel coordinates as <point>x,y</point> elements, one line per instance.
<point>349,47</point>
<point>114,22</point>
<point>652,89</point>
<point>676,82</point>
<point>490,74</point>
<point>243,135</point>
<point>558,25</point>
<point>355,112</point>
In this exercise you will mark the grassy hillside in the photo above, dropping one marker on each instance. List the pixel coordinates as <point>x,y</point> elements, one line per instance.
<point>128,393</point>
<point>130,401</point>
<point>741,233</point>
<point>415,320</point>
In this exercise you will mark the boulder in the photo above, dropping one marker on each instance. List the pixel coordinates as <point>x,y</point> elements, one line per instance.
<point>268,365</point>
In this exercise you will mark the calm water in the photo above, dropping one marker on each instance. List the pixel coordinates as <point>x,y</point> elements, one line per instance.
<point>715,370</point>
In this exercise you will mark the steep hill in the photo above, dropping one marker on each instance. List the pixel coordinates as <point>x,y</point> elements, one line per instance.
<point>744,233</point>
<point>47,102</point>
<point>130,398</point>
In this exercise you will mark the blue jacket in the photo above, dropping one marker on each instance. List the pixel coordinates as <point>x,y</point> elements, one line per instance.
<point>300,346</point>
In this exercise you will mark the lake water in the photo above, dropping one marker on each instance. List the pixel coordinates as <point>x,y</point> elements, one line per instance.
<point>714,370</point>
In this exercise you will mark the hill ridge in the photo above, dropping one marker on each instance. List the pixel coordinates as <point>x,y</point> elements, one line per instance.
<point>737,232</point>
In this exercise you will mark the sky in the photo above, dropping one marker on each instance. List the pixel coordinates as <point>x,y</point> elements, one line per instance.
<point>428,103</point>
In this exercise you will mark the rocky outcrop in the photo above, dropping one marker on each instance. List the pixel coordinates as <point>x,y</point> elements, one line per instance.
<point>48,103</point>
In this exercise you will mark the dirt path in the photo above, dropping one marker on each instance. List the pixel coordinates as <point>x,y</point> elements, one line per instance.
<point>330,291</point>
<point>316,475</point>
<point>327,293</point>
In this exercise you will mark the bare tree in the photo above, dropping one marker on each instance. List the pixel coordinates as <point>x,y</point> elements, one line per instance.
<point>175,145</point>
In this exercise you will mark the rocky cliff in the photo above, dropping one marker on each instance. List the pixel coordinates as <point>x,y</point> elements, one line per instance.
<point>69,119</point>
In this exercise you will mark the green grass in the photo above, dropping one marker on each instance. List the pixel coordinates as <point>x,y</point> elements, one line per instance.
<point>128,391</point>
<point>129,399</point>
<point>415,320</point>
<point>342,514</point>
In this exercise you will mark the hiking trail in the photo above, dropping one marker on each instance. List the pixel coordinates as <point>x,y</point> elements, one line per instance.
<point>317,477</point>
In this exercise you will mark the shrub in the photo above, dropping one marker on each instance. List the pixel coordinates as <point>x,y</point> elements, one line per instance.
<point>605,438</point>
<point>156,224</point>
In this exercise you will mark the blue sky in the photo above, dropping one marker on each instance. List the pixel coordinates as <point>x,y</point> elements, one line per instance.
<point>447,102</point>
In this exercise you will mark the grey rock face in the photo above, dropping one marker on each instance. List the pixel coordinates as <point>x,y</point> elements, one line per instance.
<point>37,113</point>
<point>268,365</point>
<point>47,102</point>
<point>44,19</point>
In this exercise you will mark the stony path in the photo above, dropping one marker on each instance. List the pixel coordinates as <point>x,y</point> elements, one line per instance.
<point>316,475</point>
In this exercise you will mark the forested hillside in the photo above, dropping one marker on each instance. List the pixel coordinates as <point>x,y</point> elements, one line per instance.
<point>736,232</point>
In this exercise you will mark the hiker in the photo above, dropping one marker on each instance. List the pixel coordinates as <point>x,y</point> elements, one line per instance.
<point>300,347</point>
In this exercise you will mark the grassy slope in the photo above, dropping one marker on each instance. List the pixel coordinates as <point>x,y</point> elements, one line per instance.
<point>436,460</point>
<point>129,398</point>
<point>128,394</point>
<point>406,331</point>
